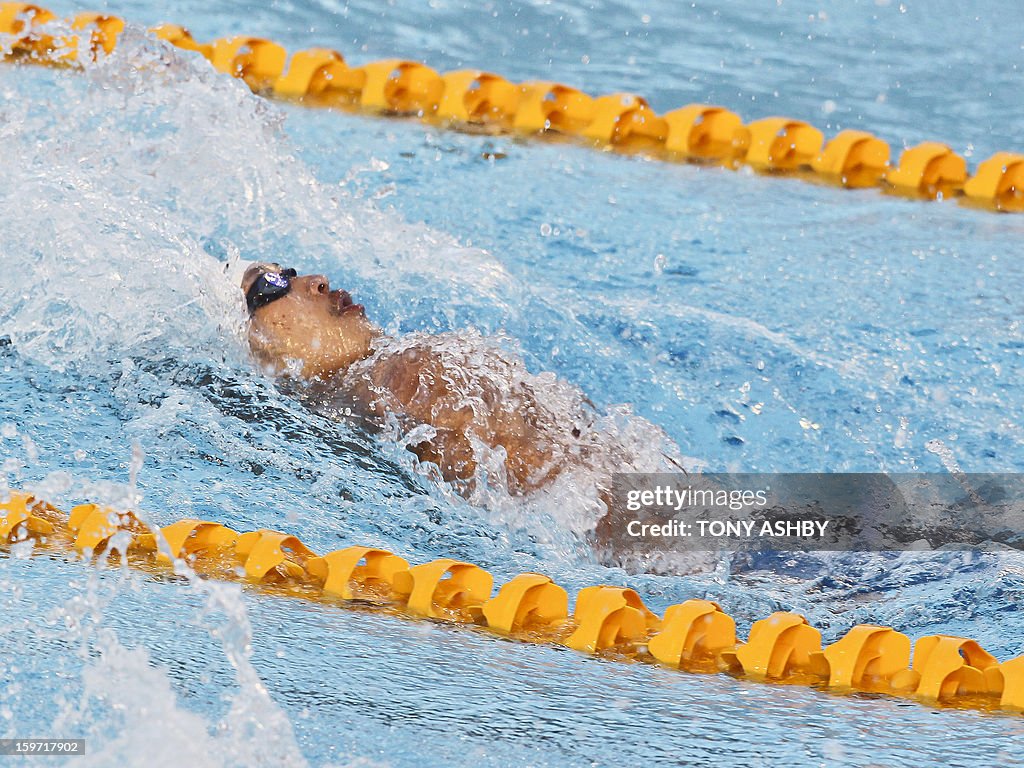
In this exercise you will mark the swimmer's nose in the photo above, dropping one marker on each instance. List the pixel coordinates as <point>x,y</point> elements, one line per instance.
<point>318,284</point>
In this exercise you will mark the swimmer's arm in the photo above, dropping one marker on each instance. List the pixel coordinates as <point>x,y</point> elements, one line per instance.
<point>410,386</point>
<point>413,385</point>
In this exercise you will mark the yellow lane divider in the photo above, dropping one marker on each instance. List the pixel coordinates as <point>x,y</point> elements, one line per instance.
<point>613,622</point>
<point>477,100</point>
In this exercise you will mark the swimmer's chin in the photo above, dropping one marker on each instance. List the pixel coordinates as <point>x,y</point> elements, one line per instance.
<point>282,368</point>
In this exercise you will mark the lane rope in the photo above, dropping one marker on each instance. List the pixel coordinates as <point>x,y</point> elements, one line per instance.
<point>608,621</point>
<point>474,100</point>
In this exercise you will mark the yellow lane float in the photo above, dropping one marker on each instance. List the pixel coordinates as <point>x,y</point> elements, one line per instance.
<point>474,100</point>
<point>695,635</point>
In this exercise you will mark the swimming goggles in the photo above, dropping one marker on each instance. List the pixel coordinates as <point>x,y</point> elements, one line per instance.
<point>268,287</point>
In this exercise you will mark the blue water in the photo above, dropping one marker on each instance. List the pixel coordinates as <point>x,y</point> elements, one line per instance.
<point>751,323</point>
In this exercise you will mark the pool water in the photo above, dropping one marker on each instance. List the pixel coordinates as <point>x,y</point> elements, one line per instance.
<point>748,323</point>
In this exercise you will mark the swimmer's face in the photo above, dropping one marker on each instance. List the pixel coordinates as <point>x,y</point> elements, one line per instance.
<point>297,323</point>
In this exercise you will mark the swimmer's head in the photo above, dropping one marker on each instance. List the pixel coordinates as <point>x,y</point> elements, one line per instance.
<point>298,323</point>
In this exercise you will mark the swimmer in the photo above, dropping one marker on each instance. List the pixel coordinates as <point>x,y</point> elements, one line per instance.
<point>458,403</point>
